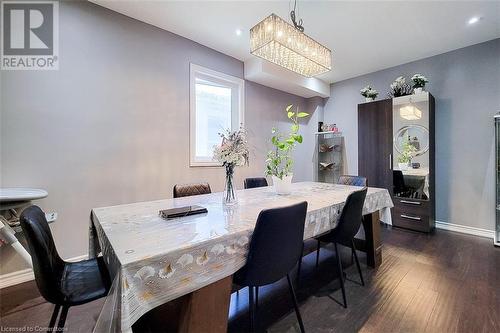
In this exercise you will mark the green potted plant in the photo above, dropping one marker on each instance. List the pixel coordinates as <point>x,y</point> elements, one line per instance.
<point>404,159</point>
<point>369,93</point>
<point>279,161</point>
<point>419,82</point>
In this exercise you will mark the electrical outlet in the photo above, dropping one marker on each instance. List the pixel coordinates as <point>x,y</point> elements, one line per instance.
<point>51,217</point>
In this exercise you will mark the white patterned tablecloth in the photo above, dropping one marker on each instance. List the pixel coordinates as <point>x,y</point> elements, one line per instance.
<point>153,261</point>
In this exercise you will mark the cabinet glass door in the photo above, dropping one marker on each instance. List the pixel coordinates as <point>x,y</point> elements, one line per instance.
<point>411,146</point>
<point>497,167</point>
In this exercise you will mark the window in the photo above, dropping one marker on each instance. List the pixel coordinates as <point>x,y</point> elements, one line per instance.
<point>216,104</point>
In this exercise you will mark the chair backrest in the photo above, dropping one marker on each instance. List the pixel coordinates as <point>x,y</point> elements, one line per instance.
<point>276,244</point>
<point>47,264</point>
<point>255,182</point>
<point>352,180</point>
<point>187,190</point>
<point>351,216</point>
<point>398,181</point>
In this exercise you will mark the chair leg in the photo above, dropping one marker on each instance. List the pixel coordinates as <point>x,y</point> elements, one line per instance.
<point>357,262</point>
<point>62,318</point>
<point>317,253</point>
<point>341,274</point>
<point>256,298</point>
<point>300,264</point>
<point>251,308</point>
<point>53,319</point>
<point>295,304</point>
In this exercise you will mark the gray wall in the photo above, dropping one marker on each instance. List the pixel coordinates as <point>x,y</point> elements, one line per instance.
<point>112,125</point>
<point>466,85</point>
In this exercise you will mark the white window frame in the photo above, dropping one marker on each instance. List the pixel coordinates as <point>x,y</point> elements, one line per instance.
<point>209,74</point>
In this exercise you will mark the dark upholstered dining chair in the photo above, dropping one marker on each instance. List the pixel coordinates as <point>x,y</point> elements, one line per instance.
<point>187,190</point>
<point>314,244</point>
<point>64,284</point>
<point>275,249</point>
<point>352,180</point>
<point>255,182</point>
<point>400,188</point>
<point>347,227</point>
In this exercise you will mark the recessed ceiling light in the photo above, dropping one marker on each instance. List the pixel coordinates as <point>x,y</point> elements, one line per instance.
<point>238,32</point>
<point>474,20</point>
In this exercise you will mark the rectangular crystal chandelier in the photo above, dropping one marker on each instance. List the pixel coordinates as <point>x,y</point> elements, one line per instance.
<point>410,112</point>
<point>277,41</point>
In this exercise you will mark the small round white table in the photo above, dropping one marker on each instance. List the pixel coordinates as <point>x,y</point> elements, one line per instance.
<point>12,202</point>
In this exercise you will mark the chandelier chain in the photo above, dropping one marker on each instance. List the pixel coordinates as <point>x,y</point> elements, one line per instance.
<point>298,25</point>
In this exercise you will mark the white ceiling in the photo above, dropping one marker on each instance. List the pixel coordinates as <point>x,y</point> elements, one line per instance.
<point>364,36</point>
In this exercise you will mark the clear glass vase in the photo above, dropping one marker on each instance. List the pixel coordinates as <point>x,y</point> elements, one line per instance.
<point>229,195</point>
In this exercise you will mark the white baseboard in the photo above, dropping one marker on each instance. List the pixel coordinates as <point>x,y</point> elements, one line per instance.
<point>465,229</point>
<point>25,275</point>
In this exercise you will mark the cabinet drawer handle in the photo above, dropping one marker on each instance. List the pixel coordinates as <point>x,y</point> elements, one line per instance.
<point>410,202</point>
<point>416,218</point>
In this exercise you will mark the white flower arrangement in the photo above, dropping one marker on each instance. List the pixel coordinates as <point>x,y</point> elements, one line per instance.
<point>399,87</point>
<point>419,80</point>
<point>233,150</point>
<point>368,92</point>
<point>398,83</point>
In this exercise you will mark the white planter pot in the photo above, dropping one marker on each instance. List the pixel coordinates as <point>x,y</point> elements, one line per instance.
<point>369,99</point>
<point>283,186</point>
<point>418,90</point>
<point>403,166</point>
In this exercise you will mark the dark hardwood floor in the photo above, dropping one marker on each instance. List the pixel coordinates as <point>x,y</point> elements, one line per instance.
<point>444,282</point>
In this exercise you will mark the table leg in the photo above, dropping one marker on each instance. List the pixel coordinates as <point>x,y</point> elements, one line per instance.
<point>207,309</point>
<point>371,244</point>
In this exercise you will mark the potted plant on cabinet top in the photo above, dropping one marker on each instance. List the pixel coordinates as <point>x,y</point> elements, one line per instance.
<point>369,93</point>
<point>399,88</point>
<point>279,160</point>
<point>419,82</point>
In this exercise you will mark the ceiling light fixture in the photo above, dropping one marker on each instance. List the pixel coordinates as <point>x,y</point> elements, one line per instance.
<point>410,112</point>
<point>286,45</point>
<point>238,32</point>
<point>473,20</point>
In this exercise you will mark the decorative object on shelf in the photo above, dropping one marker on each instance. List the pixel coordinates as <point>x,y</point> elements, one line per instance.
<point>399,88</point>
<point>232,152</point>
<point>286,45</point>
<point>326,166</point>
<point>335,129</point>
<point>369,93</point>
<point>419,82</point>
<point>320,126</point>
<point>404,158</point>
<point>279,161</point>
<point>324,128</point>
<point>324,148</point>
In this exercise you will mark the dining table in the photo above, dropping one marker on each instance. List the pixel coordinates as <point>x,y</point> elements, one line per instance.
<point>188,262</point>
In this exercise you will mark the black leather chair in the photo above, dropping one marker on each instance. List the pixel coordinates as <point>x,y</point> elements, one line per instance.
<point>347,227</point>
<point>314,244</point>
<point>64,284</point>
<point>275,249</point>
<point>255,182</point>
<point>352,180</point>
<point>400,189</point>
<point>187,190</point>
